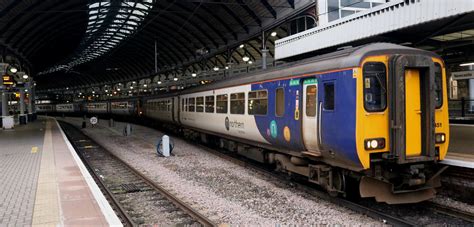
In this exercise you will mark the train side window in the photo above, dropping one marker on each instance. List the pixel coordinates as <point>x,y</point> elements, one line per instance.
<point>329,96</point>
<point>258,102</point>
<point>182,104</point>
<point>311,92</point>
<point>237,103</point>
<point>199,104</point>
<point>210,104</point>
<point>438,85</point>
<point>375,86</point>
<point>221,104</point>
<point>191,105</point>
<point>280,102</point>
<point>186,104</point>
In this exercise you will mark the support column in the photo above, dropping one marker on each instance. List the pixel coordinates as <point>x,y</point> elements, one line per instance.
<point>23,119</point>
<point>264,58</point>
<point>7,121</point>
<point>4,104</point>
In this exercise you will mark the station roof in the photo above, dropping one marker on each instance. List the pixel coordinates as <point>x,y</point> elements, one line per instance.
<point>83,43</point>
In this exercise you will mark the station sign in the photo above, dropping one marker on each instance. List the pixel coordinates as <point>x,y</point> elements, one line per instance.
<point>463,75</point>
<point>8,81</point>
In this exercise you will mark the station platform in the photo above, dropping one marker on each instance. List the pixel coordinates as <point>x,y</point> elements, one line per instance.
<point>461,146</point>
<point>44,182</point>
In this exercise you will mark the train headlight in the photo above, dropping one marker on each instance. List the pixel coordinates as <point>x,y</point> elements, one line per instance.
<point>374,144</point>
<point>440,137</point>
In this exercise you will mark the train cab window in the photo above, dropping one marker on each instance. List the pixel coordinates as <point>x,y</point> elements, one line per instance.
<point>311,92</point>
<point>237,103</point>
<point>438,85</point>
<point>280,102</point>
<point>199,104</point>
<point>375,86</point>
<point>191,105</point>
<point>221,104</point>
<point>258,102</point>
<point>329,96</point>
<point>210,104</point>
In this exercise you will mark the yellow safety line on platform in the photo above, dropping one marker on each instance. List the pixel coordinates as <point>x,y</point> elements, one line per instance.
<point>34,150</point>
<point>46,210</point>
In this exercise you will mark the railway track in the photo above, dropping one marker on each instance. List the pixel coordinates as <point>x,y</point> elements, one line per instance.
<point>136,199</point>
<point>398,215</point>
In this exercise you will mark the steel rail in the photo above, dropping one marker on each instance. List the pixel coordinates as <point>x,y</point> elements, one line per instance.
<point>451,211</point>
<point>202,219</point>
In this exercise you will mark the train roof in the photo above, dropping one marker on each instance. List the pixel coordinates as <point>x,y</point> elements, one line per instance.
<point>346,58</point>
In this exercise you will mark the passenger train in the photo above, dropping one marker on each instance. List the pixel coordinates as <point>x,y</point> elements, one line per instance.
<point>376,114</point>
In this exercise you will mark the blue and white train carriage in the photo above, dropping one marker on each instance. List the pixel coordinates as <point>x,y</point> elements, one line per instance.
<point>374,113</point>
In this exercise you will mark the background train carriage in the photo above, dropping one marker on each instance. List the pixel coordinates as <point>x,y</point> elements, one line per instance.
<point>125,107</point>
<point>45,108</point>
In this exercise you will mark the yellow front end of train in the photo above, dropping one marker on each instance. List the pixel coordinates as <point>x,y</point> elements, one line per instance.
<point>402,126</point>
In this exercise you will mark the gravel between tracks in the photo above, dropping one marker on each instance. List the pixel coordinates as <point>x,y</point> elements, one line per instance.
<point>224,191</point>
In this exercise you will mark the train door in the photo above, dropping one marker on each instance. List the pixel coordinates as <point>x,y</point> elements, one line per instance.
<point>413,112</point>
<point>175,108</point>
<point>310,114</point>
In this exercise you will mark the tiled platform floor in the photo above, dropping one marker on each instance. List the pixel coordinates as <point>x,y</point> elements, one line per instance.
<point>42,183</point>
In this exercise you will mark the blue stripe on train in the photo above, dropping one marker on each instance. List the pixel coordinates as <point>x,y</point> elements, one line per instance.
<point>338,126</point>
<point>272,127</point>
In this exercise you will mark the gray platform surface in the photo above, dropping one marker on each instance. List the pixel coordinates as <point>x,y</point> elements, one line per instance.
<point>19,168</point>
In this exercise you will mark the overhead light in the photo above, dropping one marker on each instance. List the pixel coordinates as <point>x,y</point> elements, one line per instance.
<point>145,85</point>
<point>25,76</point>
<point>116,92</point>
<point>193,74</point>
<point>216,68</point>
<point>227,67</point>
<point>13,69</point>
<point>118,89</point>
<point>67,88</point>
<point>246,59</point>
<point>26,90</point>
<point>131,87</point>
<point>159,82</point>
<point>93,92</point>
<point>134,82</point>
<point>250,62</point>
<point>241,45</point>
<point>80,93</point>
<point>144,90</point>
<point>106,90</point>
<point>175,79</point>
<point>273,34</point>
<point>467,64</point>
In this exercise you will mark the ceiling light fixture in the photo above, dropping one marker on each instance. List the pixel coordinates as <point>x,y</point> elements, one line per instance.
<point>467,64</point>
<point>246,59</point>
<point>13,70</point>
<point>193,74</point>
<point>273,34</point>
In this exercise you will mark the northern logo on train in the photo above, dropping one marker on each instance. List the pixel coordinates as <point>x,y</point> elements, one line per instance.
<point>227,124</point>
